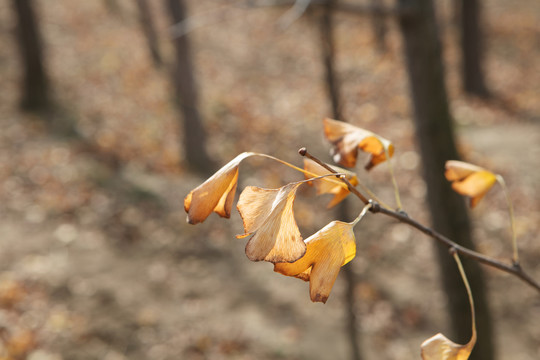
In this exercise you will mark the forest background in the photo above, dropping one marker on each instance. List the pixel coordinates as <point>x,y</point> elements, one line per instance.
<point>96,259</point>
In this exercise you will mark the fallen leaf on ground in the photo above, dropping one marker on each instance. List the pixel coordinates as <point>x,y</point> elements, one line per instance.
<point>20,344</point>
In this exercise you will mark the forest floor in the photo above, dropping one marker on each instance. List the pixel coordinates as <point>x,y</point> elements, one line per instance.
<point>97,260</point>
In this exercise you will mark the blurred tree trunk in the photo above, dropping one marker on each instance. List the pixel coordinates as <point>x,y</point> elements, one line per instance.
<point>472,49</point>
<point>328,57</point>
<point>332,89</point>
<point>113,7</point>
<point>149,29</point>
<point>435,136</point>
<point>35,84</point>
<point>378,24</point>
<point>187,97</point>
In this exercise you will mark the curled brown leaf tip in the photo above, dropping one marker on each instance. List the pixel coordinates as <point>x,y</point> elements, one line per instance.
<point>216,194</point>
<point>268,215</point>
<point>347,139</point>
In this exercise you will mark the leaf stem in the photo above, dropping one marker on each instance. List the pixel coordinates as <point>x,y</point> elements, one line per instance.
<point>394,182</point>
<point>362,214</point>
<point>454,253</point>
<point>501,181</point>
<point>308,173</point>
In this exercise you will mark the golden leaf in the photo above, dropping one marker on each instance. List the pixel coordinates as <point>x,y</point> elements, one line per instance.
<point>329,185</point>
<point>439,347</point>
<point>469,180</point>
<point>327,251</point>
<point>347,138</point>
<point>215,194</point>
<point>268,215</point>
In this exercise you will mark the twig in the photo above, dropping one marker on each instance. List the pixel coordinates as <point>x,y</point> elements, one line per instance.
<point>513,269</point>
<point>303,151</point>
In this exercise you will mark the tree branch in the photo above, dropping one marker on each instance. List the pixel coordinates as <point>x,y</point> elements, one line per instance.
<point>513,269</point>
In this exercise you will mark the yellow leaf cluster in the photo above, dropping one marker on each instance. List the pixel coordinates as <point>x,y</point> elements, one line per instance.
<point>268,217</point>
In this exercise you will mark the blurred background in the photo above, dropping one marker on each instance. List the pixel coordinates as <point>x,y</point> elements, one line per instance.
<point>111,111</point>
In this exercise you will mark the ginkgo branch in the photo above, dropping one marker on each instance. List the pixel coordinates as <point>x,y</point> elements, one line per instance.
<point>513,269</point>
<point>351,187</point>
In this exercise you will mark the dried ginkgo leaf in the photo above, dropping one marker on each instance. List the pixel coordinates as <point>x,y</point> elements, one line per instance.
<point>215,194</point>
<point>439,347</point>
<point>347,138</point>
<point>330,185</point>
<point>327,251</point>
<point>469,180</point>
<point>268,214</point>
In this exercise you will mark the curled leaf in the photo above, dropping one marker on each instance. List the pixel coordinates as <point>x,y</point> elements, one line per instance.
<point>347,139</point>
<point>329,185</point>
<point>439,347</point>
<point>327,251</point>
<point>215,194</point>
<point>469,180</point>
<point>268,215</point>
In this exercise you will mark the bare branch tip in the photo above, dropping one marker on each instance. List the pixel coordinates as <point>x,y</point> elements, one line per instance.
<point>302,151</point>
